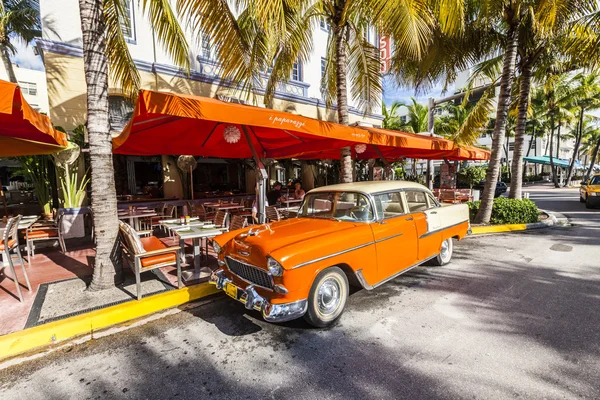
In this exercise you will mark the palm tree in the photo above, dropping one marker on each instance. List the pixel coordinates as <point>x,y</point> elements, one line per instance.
<point>591,146</point>
<point>105,51</point>
<point>19,19</point>
<point>465,122</point>
<point>417,117</point>
<point>586,97</point>
<point>391,119</point>
<point>550,31</point>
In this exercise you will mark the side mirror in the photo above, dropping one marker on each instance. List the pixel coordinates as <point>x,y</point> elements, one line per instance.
<point>583,183</point>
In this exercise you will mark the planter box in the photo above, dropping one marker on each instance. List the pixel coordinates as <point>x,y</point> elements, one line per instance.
<point>73,222</point>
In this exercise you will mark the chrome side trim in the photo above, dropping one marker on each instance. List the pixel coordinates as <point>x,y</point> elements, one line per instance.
<point>332,255</point>
<point>441,229</point>
<point>366,285</point>
<point>388,237</point>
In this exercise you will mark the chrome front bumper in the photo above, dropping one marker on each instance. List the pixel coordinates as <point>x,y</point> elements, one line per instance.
<point>254,301</point>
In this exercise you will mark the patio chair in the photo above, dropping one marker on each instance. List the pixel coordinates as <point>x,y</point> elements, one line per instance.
<point>273,214</point>
<point>147,253</point>
<point>238,222</point>
<point>10,243</point>
<point>221,220</point>
<point>46,233</point>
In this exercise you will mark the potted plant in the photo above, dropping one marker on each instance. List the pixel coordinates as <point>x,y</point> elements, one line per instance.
<point>35,168</point>
<point>73,192</point>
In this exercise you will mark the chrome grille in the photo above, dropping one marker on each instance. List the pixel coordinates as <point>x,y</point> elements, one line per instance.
<point>250,273</point>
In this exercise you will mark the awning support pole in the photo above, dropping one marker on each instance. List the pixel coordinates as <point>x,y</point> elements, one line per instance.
<point>3,200</point>
<point>430,126</point>
<point>262,181</point>
<point>388,166</point>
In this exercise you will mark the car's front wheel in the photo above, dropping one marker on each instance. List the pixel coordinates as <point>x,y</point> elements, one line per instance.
<point>327,298</point>
<point>588,202</point>
<point>445,254</point>
<point>581,199</point>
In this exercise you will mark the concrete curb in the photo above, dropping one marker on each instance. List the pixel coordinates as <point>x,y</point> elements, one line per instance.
<point>554,219</point>
<point>88,324</point>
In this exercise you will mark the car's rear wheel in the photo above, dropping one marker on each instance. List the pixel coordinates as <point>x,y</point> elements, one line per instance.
<point>445,254</point>
<point>327,298</point>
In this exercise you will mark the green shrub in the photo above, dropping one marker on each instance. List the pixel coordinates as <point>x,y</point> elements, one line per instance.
<point>509,211</point>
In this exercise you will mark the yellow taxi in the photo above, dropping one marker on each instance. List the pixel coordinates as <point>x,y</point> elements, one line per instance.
<point>589,192</point>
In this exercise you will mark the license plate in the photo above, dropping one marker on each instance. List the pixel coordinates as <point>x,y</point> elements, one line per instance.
<point>231,290</point>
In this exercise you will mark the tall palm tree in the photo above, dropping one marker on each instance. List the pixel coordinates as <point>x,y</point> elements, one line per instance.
<point>391,119</point>
<point>465,122</point>
<point>586,97</point>
<point>550,31</point>
<point>19,19</point>
<point>105,51</point>
<point>417,117</point>
<point>591,146</point>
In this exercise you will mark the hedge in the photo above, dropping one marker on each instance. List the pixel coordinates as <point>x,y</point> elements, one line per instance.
<point>509,211</point>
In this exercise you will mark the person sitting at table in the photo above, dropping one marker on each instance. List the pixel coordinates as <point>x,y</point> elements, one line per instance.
<point>298,191</point>
<point>274,195</point>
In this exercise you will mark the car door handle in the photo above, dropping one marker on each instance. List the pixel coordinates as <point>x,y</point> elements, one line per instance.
<point>409,219</point>
<point>433,212</point>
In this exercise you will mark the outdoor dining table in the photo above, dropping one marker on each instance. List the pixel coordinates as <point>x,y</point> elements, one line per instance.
<point>292,201</point>
<point>133,217</point>
<point>195,230</point>
<point>24,223</point>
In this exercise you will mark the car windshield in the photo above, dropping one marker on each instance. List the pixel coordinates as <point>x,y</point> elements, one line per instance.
<point>341,206</point>
<point>595,180</point>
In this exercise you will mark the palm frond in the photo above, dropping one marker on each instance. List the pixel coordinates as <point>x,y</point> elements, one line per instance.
<point>470,130</point>
<point>168,31</point>
<point>122,68</point>
<point>364,72</point>
<point>328,80</point>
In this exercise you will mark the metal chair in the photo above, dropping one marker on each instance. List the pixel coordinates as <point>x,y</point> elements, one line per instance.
<point>147,253</point>
<point>273,214</point>
<point>10,243</point>
<point>238,222</point>
<point>46,233</point>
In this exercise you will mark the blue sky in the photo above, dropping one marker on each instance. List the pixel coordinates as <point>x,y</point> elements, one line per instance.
<point>392,92</point>
<point>25,58</point>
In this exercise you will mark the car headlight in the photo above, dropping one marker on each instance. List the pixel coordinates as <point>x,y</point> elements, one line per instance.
<point>595,193</point>
<point>217,247</point>
<point>274,267</point>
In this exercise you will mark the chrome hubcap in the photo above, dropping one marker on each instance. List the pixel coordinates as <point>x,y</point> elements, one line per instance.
<point>328,297</point>
<point>445,252</point>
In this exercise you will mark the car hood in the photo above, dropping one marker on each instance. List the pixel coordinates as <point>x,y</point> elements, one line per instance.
<point>267,238</point>
<point>594,188</point>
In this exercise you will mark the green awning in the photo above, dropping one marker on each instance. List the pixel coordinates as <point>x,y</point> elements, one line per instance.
<point>545,160</point>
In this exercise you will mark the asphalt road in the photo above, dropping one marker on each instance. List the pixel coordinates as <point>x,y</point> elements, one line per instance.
<point>515,315</point>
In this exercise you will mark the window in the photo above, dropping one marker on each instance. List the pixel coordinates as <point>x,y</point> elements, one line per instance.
<point>29,88</point>
<point>128,22</point>
<point>389,205</point>
<point>341,206</point>
<point>120,112</point>
<point>432,201</point>
<point>206,50</point>
<point>323,66</point>
<point>324,26</point>
<point>403,119</point>
<point>297,71</point>
<point>417,200</point>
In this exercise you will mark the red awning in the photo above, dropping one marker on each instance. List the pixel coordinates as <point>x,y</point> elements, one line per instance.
<point>167,123</point>
<point>24,131</point>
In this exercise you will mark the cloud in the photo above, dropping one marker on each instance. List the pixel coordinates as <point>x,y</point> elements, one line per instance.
<point>25,57</point>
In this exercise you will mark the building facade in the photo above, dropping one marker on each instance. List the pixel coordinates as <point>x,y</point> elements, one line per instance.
<point>33,86</point>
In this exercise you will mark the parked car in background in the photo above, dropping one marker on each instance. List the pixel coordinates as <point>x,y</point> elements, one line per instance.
<point>501,188</point>
<point>364,233</point>
<point>589,192</point>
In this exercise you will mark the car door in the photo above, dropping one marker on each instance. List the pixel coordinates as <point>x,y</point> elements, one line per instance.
<point>427,222</point>
<point>394,234</point>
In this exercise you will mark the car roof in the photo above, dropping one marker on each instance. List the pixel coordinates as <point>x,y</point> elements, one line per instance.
<point>370,187</point>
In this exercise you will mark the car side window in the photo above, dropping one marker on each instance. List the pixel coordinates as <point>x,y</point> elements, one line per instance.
<point>389,205</point>
<point>432,201</point>
<point>417,200</point>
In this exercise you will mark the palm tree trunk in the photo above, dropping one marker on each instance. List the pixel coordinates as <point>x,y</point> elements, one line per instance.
<point>552,167</point>
<point>108,263</point>
<point>341,72</point>
<point>576,149</point>
<point>516,182</point>
<point>593,160</point>
<point>506,81</point>
<point>7,63</point>
<point>531,142</point>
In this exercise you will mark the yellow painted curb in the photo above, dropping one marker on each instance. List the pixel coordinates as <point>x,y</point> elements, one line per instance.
<point>475,230</point>
<point>26,340</point>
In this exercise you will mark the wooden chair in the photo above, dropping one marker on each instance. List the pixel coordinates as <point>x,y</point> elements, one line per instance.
<point>46,233</point>
<point>221,220</point>
<point>273,214</point>
<point>147,253</point>
<point>10,243</point>
<point>238,222</point>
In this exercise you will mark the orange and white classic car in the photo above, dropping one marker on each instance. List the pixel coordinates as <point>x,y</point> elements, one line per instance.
<point>362,233</point>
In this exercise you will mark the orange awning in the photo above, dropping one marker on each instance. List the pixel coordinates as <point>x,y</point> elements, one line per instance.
<point>168,123</point>
<point>24,131</point>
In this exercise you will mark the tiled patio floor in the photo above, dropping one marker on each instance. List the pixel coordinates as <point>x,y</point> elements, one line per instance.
<point>51,265</point>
